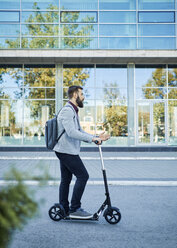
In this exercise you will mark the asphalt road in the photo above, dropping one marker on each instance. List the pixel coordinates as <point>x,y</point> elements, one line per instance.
<point>149,220</point>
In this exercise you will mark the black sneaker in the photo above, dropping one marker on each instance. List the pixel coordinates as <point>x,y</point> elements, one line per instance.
<point>81,214</point>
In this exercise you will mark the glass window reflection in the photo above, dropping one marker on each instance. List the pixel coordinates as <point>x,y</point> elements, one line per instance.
<point>35,76</point>
<point>44,42</point>
<point>151,93</point>
<point>11,93</point>
<point>9,43</point>
<point>78,16</point>
<point>79,43</point>
<point>172,93</point>
<point>11,122</point>
<point>10,4</point>
<point>117,30</point>
<point>156,17</point>
<point>150,76</point>
<point>40,4</point>
<point>79,30</point>
<point>117,4</point>
<point>39,93</point>
<point>111,93</point>
<point>172,76</point>
<point>156,43</point>
<point>78,75</point>
<point>117,43</point>
<point>36,113</point>
<point>172,119</point>
<point>9,16</point>
<point>107,77</point>
<point>40,30</point>
<point>40,16</point>
<point>87,116</point>
<point>105,111</point>
<point>9,29</point>
<point>11,76</point>
<point>79,4</point>
<point>156,30</point>
<point>156,4</point>
<point>117,17</point>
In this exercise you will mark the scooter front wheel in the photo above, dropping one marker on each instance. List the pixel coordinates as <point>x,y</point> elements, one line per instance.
<point>55,213</point>
<point>112,215</point>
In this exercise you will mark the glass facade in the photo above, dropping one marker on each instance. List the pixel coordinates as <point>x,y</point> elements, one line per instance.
<point>134,110</point>
<point>27,100</point>
<point>83,24</point>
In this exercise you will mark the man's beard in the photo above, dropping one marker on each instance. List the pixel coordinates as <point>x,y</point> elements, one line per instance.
<point>79,102</point>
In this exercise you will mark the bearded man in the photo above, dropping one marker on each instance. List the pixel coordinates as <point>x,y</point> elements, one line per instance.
<point>67,150</point>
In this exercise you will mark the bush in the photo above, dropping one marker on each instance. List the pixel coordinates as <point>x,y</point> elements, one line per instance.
<point>16,207</point>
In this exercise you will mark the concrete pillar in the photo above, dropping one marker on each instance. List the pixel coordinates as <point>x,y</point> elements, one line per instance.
<point>131,104</point>
<point>59,87</point>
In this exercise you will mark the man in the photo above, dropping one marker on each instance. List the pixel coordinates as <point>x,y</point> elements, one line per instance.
<point>67,150</point>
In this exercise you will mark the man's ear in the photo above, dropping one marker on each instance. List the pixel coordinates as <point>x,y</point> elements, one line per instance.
<point>75,95</point>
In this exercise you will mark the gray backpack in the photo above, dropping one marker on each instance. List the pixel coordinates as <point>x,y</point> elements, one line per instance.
<point>51,132</point>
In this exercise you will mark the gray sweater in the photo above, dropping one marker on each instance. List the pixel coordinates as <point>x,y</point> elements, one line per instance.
<point>71,139</point>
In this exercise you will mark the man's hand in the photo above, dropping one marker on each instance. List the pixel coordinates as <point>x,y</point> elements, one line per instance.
<point>103,136</point>
<point>97,139</point>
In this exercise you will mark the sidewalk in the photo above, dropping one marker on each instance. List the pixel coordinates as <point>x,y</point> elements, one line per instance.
<point>148,213</point>
<point>148,220</point>
<point>122,167</point>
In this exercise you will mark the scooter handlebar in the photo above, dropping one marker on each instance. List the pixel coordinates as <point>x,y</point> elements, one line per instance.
<point>96,142</point>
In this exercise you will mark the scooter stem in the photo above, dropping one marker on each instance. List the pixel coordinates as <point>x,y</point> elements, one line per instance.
<point>108,200</point>
<point>101,156</point>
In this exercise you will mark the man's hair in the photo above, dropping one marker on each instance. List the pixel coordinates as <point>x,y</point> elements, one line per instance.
<point>73,89</point>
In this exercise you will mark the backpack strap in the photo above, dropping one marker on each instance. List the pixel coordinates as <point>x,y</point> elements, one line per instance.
<point>57,116</point>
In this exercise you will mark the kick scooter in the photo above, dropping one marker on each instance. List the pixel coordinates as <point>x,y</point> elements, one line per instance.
<point>111,214</point>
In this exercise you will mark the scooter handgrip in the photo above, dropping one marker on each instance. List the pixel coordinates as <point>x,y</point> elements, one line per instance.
<point>97,142</point>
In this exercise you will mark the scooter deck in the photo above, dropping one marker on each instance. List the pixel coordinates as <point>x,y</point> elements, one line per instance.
<point>72,218</point>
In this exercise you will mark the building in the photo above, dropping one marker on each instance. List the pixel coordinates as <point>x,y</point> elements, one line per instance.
<point>123,53</point>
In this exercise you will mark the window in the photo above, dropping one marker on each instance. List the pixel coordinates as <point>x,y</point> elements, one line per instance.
<point>156,17</point>
<point>117,17</point>
<point>117,43</point>
<point>156,4</point>
<point>10,4</point>
<point>117,29</point>
<point>156,43</point>
<point>156,30</point>
<point>9,16</point>
<point>40,4</point>
<point>117,4</point>
<point>9,29</point>
<point>40,16</point>
<point>78,16</point>
<point>79,4</point>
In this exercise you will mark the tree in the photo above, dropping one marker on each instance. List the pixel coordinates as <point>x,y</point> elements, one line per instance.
<point>53,30</point>
<point>16,207</point>
<point>158,90</point>
<point>115,111</point>
<point>7,115</point>
<point>45,77</point>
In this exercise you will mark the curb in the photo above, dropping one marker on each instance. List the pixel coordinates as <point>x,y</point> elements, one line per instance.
<point>117,183</point>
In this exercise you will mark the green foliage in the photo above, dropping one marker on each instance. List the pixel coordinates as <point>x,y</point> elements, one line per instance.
<point>115,111</point>
<point>16,207</point>
<point>37,31</point>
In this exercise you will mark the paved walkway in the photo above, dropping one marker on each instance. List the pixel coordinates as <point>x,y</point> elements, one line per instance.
<point>121,167</point>
<point>148,213</point>
<point>148,221</point>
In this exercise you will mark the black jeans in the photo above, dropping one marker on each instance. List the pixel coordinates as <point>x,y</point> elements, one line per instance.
<point>71,165</point>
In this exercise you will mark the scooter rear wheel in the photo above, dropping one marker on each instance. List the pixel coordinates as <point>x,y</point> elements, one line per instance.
<point>55,213</point>
<point>112,215</point>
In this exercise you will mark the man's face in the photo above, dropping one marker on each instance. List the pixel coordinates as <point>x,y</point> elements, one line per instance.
<point>80,98</point>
